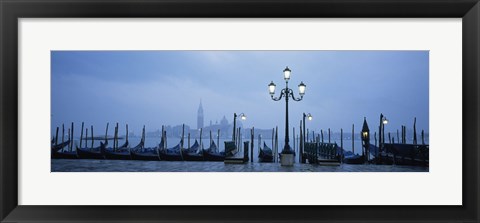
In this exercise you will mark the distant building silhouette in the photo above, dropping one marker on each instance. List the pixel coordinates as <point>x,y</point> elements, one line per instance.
<point>224,121</point>
<point>200,116</point>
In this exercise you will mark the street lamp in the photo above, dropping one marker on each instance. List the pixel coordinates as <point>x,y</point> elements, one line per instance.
<point>286,92</point>
<point>242,117</point>
<point>384,122</point>
<point>309,117</point>
<point>381,132</point>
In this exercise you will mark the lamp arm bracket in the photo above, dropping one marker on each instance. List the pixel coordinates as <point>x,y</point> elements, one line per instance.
<point>290,92</point>
<point>282,93</point>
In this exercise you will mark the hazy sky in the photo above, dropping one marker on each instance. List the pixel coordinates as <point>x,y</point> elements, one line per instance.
<point>165,88</point>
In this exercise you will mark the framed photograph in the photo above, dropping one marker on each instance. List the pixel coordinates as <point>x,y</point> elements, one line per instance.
<point>288,111</point>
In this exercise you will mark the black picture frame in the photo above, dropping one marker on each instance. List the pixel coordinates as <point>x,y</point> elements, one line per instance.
<point>11,11</point>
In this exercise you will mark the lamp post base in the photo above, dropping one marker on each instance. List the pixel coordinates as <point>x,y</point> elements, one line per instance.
<point>287,159</point>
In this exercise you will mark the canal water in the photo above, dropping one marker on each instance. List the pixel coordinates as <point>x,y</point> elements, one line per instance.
<point>83,165</point>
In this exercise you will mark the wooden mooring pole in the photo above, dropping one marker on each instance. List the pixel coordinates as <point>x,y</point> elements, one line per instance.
<point>403,138</point>
<point>353,138</point>
<point>211,139</point>
<point>56,137</point>
<point>341,138</point>
<point>81,136</point>
<point>162,140</point>
<point>341,144</point>
<point>91,127</point>
<point>302,142</point>
<point>273,139</point>
<point>252,137</point>
<point>415,131</point>
<point>126,134</point>
<point>106,132</point>
<point>201,144</point>
<point>300,154</point>
<point>86,137</point>
<point>328,135</point>
<point>182,140</point>
<point>423,138</point>
<point>165,138</point>
<point>321,133</point>
<point>115,137</point>
<point>69,144</point>
<point>398,136</point>
<point>63,131</point>
<point>71,140</point>
<point>183,135</point>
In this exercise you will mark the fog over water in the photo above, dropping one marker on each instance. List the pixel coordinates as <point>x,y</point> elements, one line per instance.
<point>156,88</point>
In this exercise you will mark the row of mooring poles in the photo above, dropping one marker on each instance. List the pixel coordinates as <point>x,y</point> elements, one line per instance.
<point>274,144</point>
<point>70,136</point>
<point>402,139</point>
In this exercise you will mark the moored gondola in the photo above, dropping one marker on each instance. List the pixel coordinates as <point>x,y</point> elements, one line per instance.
<point>211,154</point>
<point>193,153</point>
<point>90,153</point>
<point>58,147</point>
<point>59,152</point>
<point>354,159</point>
<point>145,154</point>
<point>265,154</point>
<point>64,155</point>
<point>171,154</point>
<point>139,152</point>
<point>120,153</point>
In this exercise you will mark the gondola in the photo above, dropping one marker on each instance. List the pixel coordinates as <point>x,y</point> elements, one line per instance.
<point>354,159</point>
<point>139,152</point>
<point>405,154</point>
<point>265,155</point>
<point>145,154</point>
<point>65,155</point>
<point>56,148</point>
<point>211,154</point>
<point>59,153</point>
<point>121,153</point>
<point>91,153</point>
<point>171,154</point>
<point>193,153</point>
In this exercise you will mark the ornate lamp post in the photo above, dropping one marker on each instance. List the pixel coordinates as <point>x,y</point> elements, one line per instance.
<point>287,93</point>
<point>309,117</point>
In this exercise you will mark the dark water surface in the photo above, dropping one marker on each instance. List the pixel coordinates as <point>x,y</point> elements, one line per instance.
<point>85,165</point>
